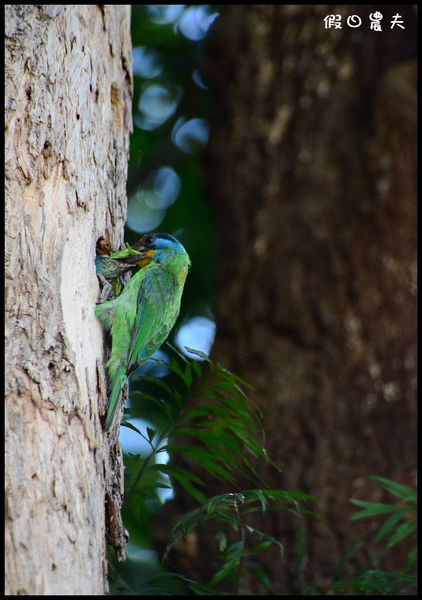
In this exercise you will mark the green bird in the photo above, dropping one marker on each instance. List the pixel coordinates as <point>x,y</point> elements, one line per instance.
<point>141,318</point>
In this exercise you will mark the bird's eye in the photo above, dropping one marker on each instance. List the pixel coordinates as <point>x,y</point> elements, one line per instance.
<point>148,240</point>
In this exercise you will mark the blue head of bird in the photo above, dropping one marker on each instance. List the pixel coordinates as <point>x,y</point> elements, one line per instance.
<point>164,249</point>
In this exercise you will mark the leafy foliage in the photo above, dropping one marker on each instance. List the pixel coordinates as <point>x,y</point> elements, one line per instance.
<point>203,413</point>
<point>401,524</point>
<point>374,582</point>
<point>208,420</point>
<point>230,511</point>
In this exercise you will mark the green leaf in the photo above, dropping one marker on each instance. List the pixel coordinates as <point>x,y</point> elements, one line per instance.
<point>404,492</point>
<point>186,479</point>
<point>142,397</point>
<point>262,576</point>
<point>347,556</point>
<point>178,472</point>
<point>129,425</point>
<point>197,353</point>
<point>376,582</point>
<point>157,381</point>
<point>151,433</point>
<point>231,565</point>
<point>402,532</point>
<point>300,550</point>
<point>210,462</point>
<point>231,375</point>
<point>222,540</point>
<point>388,526</point>
<point>177,352</point>
<point>128,251</point>
<point>412,558</point>
<point>268,538</point>
<point>373,509</point>
<point>261,547</point>
<point>184,374</point>
<point>263,500</point>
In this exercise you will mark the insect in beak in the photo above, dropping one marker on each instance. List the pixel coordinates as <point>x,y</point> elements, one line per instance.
<point>142,258</point>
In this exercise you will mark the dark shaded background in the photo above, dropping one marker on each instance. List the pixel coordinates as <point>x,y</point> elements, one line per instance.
<point>310,179</point>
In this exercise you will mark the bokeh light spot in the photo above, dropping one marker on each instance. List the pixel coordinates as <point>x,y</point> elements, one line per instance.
<point>198,333</point>
<point>157,103</point>
<point>190,136</point>
<point>197,78</point>
<point>147,62</point>
<point>195,22</point>
<point>162,14</point>
<point>163,185</point>
<point>140,217</point>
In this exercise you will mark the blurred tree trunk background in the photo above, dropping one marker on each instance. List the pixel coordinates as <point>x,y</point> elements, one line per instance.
<point>311,170</point>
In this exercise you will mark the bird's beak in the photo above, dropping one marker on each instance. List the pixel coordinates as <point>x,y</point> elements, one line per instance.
<point>142,258</point>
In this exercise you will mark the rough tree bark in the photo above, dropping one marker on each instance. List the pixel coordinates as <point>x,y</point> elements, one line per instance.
<point>68,119</point>
<point>312,169</point>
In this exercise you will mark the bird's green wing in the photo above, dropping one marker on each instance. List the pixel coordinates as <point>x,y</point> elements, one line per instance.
<point>119,316</point>
<point>154,316</point>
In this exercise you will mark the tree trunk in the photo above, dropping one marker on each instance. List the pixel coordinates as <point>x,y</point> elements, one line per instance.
<point>68,118</point>
<point>312,168</point>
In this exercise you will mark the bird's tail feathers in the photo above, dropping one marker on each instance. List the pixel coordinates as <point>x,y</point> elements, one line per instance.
<point>118,381</point>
